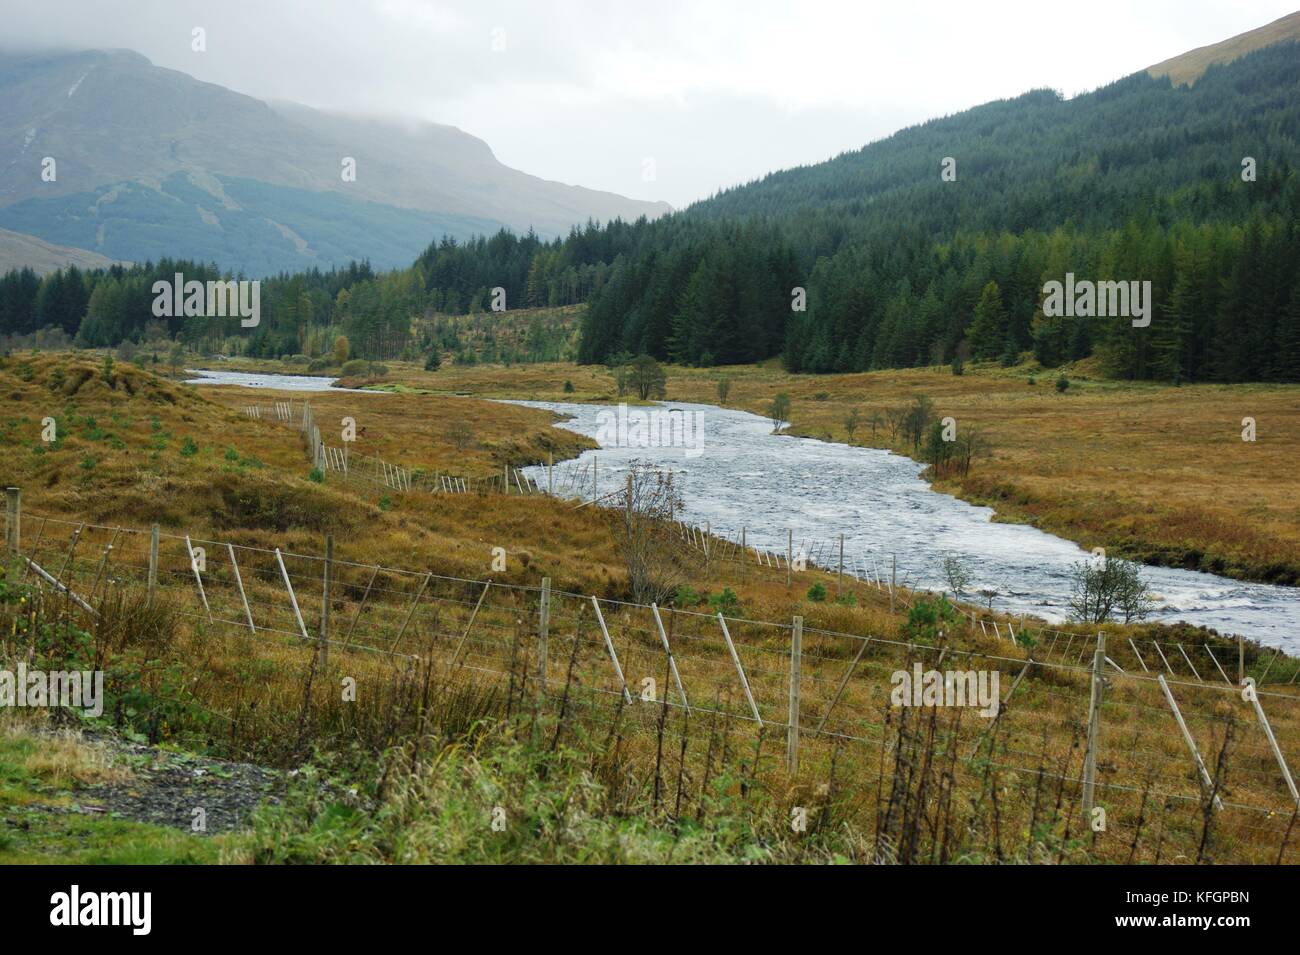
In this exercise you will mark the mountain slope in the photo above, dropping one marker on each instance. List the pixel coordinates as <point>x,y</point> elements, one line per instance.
<point>19,251</point>
<point>1192,189</point>
<point>207,173</point>
<point>1186,68</point>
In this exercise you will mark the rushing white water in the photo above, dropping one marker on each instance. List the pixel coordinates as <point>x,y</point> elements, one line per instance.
<point>206,376</point>
<point>743,475</point>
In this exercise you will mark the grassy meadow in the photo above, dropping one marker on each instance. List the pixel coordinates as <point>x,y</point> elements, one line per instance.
<point>457,723</point>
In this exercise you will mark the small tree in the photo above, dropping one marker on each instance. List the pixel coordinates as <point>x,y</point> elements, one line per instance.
<point>432,362</point>
<point>916,420</point>
<point>851,422</point>
<point>644,534</point>
<point>1062,383</point>
<point>779,411</point>
<point>956,573</point>
<point>342,350</point>
<point>460,434</point>
<point>646,377</point>
<point>876,420</point>
<point>939,453</point>
<point>724,389</point>
<point>176,358</point>
<point>1102,589</point>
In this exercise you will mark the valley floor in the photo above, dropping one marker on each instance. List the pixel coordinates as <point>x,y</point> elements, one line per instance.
<point>1152,472</point>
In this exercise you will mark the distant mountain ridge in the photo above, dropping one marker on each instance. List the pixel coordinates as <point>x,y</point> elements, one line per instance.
<point>43,257</point>
<point>151,161</point>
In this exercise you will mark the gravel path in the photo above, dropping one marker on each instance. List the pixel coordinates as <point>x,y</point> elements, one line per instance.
<point>166,787</point>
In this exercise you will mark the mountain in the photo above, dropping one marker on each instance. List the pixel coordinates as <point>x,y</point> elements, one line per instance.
<point>1186,68</point>
<point>25,251</point>
<point>1194,189</point>
<point>151,162</point>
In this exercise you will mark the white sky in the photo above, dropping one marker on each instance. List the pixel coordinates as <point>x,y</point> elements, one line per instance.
<point>716,92</point>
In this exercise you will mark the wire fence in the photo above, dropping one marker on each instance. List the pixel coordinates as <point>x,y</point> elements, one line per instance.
<point>1123,738</point>
<point>580,480</point>
<point>342,463</point>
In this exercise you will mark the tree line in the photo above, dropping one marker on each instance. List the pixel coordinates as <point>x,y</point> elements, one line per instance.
<point>928,247</point>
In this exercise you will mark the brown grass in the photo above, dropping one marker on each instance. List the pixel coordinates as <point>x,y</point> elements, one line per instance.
<point>1154,472</point>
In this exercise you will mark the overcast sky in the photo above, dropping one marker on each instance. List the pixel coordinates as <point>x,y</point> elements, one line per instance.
<point>585,91</point>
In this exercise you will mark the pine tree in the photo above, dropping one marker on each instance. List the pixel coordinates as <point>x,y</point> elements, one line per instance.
<point>988,332</point>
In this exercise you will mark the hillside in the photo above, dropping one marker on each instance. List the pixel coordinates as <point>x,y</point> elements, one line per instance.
<point>1188,67</point>
<point>214,175</point>
<point>1193,189</point>
<point>25,251</point>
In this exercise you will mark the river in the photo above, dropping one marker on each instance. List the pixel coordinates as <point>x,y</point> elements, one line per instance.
<point>738,474</point>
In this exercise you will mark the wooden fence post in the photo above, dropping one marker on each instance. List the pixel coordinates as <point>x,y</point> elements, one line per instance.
<point>411,612</point>
<point>469,626</point>
<point>735,658</point>
<point>293,598</point>
<point>609,645</point>
<point>1094,725</point>
<point>198,578</point>
<point>1241,659</point>
<point>893,581</point>
<point>1272,742</point>
<point>325,602</point>
<point>796,660</point>
<point>154,533</point>
<point>839,573</point>
<point>789,555</point>
<point>672,663</point>
<point>1207,784</point>
<point>543,632</point>
<point>13,519</point>
<point>239,582</point>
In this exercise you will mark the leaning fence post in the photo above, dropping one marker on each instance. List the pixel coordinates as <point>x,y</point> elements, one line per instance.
<point>1206,783</point>
<point>1216,663</point>
<point>239,582</point>
<point>1272,742</point>
<point>198,578</point>
<point>744,682</point>
<point>411,613</point>
<point>543,631</point>
<point>792,732</point>
<point>469,626</point>
<point>153,562</point>
<point>609,645</point>
<point>844,682</point>
<point>1138,655</point>
<point>293,599</point>
<point>1094,724</point>
<point>672,664</point>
